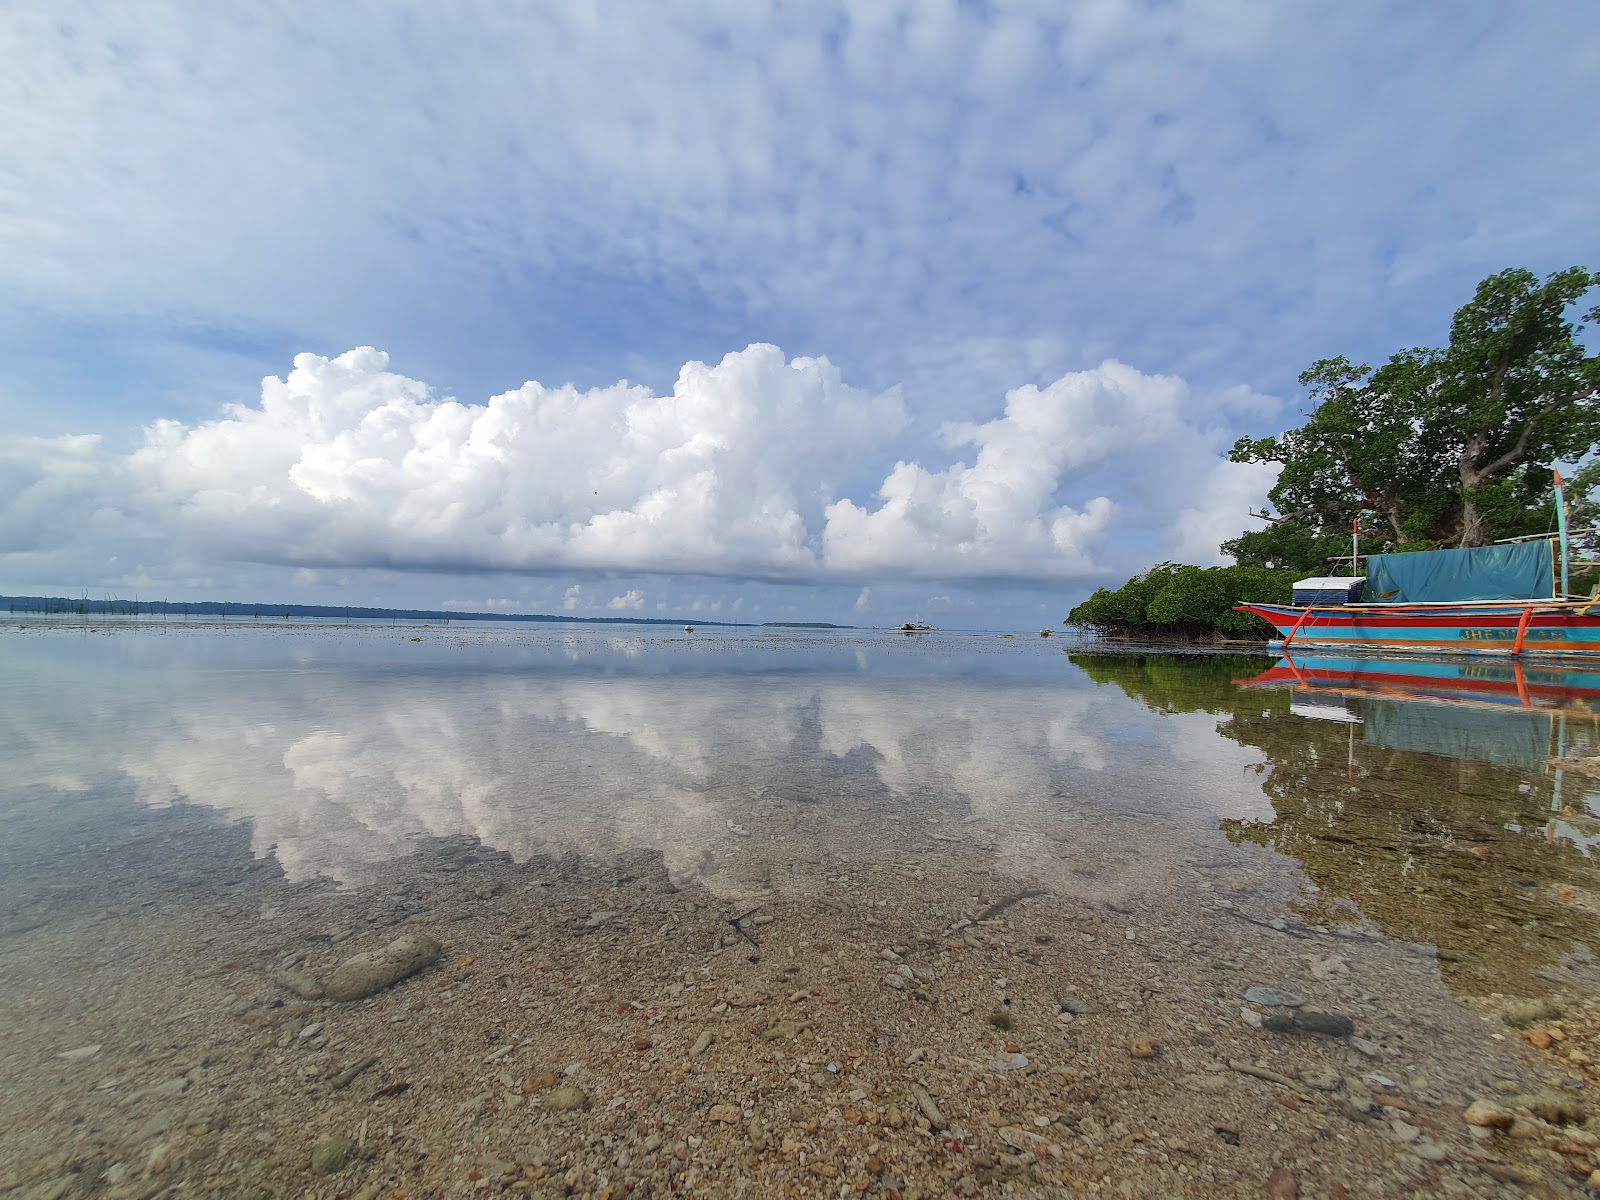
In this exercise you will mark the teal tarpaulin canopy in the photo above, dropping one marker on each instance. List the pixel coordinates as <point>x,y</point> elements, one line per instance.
<point>1520,571</point>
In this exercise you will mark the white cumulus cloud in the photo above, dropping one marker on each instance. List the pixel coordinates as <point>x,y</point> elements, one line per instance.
<point>742,470</point>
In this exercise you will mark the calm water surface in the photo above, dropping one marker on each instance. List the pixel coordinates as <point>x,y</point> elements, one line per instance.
<point>1434,814</point>
<point>1062,892</point>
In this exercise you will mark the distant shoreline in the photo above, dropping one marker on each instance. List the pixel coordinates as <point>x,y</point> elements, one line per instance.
<point>83,607</point>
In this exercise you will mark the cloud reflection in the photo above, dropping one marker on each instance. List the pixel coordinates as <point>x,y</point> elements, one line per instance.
<point>740,774</point>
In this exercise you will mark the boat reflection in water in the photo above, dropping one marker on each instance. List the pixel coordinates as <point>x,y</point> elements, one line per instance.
<point>1512,715</point>
<point>1436,798</point>
<point>1503,713</point>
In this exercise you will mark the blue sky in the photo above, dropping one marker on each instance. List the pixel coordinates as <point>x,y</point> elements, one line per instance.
<point>982,291</point>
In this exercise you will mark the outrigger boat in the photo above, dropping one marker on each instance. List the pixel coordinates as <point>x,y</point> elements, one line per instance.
<point>1461,627</point>
<point>1509,598</point>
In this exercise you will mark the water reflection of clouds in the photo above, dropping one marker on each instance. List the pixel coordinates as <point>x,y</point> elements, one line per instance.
<point>336,769</point>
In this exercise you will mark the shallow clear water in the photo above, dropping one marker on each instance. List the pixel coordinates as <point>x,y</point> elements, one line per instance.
<point>338,748</point>
<point>187,811</point>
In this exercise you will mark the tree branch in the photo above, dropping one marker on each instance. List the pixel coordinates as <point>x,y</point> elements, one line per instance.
<point>1283,517</point>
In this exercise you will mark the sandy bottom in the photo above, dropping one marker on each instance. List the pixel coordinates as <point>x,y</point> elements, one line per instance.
<point>912,1023</point>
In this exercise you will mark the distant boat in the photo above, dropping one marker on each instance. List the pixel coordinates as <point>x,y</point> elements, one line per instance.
<point>1045,632</point>
<point>916,627</point>
<point>688,628</point>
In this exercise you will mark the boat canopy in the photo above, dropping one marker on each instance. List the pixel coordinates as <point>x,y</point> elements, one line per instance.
<point>1519,571</point>
<point>1329,589</point>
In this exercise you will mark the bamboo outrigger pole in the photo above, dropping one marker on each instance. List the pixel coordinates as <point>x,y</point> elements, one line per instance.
<point>1561,528</point>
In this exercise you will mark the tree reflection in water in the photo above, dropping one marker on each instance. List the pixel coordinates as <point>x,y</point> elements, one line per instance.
<point>1472,845</point>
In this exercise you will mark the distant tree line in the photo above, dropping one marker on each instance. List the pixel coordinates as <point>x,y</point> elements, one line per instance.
<point>110,606</point>
<point>1437,447</point>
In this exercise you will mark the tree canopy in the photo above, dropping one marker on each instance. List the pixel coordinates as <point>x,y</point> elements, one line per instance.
<point>1171,601</point>
<point>1437,447</point>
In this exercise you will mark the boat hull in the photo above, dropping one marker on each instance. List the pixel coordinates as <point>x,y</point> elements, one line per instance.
<point>1454,629</point>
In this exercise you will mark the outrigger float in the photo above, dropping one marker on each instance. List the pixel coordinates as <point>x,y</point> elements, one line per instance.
<point>1509,598</point>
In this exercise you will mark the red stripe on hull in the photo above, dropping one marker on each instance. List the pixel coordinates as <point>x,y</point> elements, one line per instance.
<point>1461,630</point>
<point>1428,683</point>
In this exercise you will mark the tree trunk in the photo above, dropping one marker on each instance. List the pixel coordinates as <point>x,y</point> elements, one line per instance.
<point>1472,529</point>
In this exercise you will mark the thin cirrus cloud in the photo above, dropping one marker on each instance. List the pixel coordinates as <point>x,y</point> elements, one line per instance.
<point>738,472</point>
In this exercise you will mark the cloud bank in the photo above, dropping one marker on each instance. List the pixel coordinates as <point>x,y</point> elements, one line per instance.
<point>758,467</point>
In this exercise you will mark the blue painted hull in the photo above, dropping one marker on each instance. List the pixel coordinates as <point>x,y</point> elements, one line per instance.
<point>1512,628</point>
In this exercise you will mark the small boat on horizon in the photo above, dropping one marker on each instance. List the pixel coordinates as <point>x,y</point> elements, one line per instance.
<point>916,627</point>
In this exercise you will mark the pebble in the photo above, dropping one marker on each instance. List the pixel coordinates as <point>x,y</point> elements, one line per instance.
<point>371,972</point>
<point>1552,1107</point>
<point>1282,1185</point>
<point>727,1114</point>
<point>702,1044</point>
<point>1488,1115</point>
<point>1520,1016</point>
<point>566,1099</point>
<point>1273,997</point>
<point>1309,1021</point>
<point>82,1052</point>
<point>897,982</point>
<point>929,1108</point>
<point>299,983</point>
<point>1009,1062</point>
<point>597,919</point>
<point>1078,1008</point>
<point>1145,1048</point>
<point>1403,1132</point>
<point>329,1157</point>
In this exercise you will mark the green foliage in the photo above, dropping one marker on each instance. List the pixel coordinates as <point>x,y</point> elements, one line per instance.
<point>1176,601</point>
<point>1583,513</point>
<point>1437,447</point>
<point>1182,683</point>
<point>1451,447</point>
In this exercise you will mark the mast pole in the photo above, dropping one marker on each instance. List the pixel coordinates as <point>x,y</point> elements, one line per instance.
<point>1355,545</point>
<point>1561,528</point>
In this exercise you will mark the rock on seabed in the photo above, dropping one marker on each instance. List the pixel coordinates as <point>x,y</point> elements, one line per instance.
<point>371,972</point>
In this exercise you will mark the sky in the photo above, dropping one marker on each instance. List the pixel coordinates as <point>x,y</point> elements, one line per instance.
<point>854,312</point>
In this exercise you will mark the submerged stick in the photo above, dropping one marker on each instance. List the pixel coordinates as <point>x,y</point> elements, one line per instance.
<point>1245,1068</point>
<point>344,1078</point>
